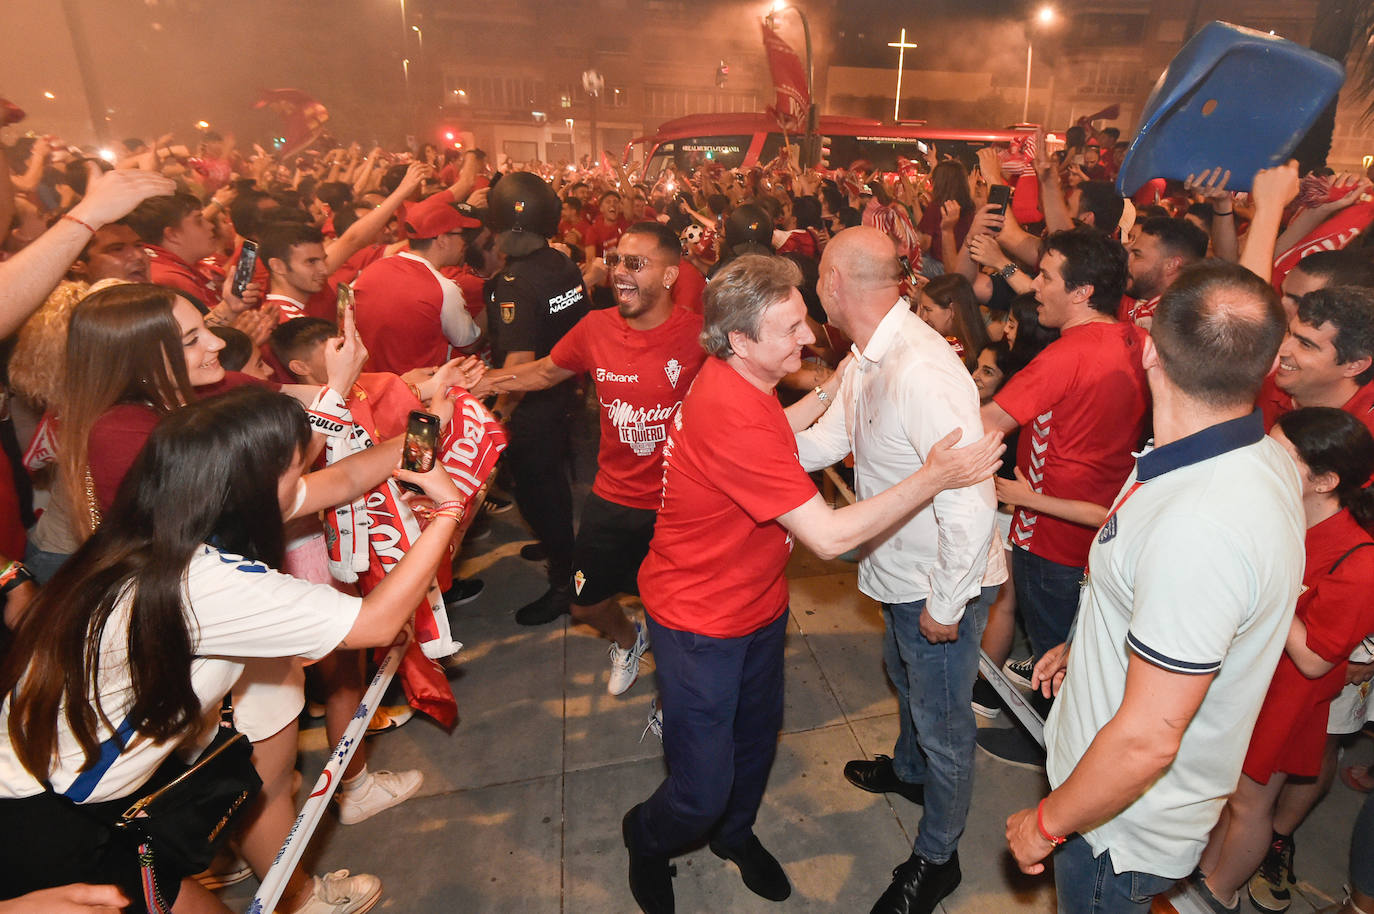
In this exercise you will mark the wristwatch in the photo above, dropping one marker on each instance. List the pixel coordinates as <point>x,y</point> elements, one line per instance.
<point>1008,271</point>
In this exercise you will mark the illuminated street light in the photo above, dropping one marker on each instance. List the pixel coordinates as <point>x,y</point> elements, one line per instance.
<point>419,35</point>
<point>1044,17</point>
<point>49,95</point>
<point>202,125</point>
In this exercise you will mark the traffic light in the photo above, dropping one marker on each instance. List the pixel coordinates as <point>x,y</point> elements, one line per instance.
<point>722,73</point>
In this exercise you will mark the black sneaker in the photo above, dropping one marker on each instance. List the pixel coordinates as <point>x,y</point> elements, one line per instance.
<point>1203,893</point>
<point>651,875</point>
<point>760,870</point>
<point>1012,746</point>
<point>1268,888</point>
<point>1019,671</point>
<point>550,606</point>
<point>533,552</point>
<point>987,704</point>
<point>878,776</point>
<point>464,590</point>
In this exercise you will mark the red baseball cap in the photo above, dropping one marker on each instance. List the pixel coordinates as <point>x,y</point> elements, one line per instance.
<point>437,215</point>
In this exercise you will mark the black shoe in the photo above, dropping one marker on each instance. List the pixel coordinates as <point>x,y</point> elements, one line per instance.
<point>651,875</point>
<point>762,873</point>
<point>1198,883</point>
<point>533,552</point>
<point>877,776</point>
<point>550,606</point>
<point>1012,746</point>
<point>918,886</point>
<point>463,591</point>
<point>987,704</point>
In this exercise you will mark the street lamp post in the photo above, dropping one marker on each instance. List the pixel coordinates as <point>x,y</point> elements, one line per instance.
<point>1044,16</point>
<point>812,145</point>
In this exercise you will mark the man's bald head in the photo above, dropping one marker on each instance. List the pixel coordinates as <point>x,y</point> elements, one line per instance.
<point>859,276</point>
<point>865,258</point>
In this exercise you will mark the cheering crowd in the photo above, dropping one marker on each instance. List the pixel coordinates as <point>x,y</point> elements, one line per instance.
<point>1139,429</point>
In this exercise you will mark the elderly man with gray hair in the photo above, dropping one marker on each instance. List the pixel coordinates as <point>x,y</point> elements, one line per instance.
<point>713,585</point>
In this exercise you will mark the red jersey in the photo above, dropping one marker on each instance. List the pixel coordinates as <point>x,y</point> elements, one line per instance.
<point>641,377</point>
<point>399,300</point>
<point>354,265</point>
<point>189,280</point>
<point>1291,730</point>
<point>715,564</point>
<point>1082,404</point>
<point>605,236</point>
<point>1134,309</point>
<point>471,285</point>
<point>1273,403</point>
<point>689,288</point>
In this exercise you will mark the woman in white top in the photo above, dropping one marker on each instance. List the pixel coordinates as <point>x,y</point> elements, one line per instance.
<point>127,653</point>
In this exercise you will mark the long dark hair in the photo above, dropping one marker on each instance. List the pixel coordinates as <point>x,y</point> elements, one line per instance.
<point>953,291</point>
<point>1331,440</point>
<point>123,346</point>
<point>208,473</point>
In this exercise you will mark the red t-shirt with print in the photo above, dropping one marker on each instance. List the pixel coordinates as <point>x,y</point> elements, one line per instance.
<point>641,377</point>
<point>1082,404</point>
<point>716,563</point>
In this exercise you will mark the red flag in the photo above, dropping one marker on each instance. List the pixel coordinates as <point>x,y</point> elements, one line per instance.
<point>302,114</point>
<point>789,82</point>
<point>1332,235</point>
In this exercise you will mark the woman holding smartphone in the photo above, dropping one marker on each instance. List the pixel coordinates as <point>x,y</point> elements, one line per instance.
<point>178,587</point>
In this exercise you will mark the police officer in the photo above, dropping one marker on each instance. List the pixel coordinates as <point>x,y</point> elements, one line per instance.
<point>537,298</point>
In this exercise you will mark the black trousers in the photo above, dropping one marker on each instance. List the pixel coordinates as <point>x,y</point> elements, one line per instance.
<point>539,457</point>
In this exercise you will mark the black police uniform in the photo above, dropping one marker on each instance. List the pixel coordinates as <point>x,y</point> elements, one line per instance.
<point>530,305</point>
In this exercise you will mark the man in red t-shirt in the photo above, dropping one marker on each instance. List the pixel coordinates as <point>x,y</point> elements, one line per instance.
<point>713,583</point>
<point>1327,359</point>
<point>178,237</point>
<point>604,234</point>
<point>642,356</point>
<point>1161,249</point>
<point>1082,406</point>
<point>408,313</point>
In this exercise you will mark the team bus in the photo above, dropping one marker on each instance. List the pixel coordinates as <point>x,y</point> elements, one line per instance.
<point>746,140</point>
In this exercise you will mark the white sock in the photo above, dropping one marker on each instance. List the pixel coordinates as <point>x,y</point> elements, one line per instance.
<point>354,782</point>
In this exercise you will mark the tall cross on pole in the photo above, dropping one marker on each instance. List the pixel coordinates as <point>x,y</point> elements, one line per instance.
<point>901,45</point>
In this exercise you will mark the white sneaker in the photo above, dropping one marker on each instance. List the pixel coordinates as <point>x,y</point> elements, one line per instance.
<point>380,790</point>
<point>655,725</point>
<point>625,663</point>
<point>340,893</point>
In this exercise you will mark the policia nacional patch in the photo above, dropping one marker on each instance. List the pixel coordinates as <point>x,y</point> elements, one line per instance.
<point>507,312</point>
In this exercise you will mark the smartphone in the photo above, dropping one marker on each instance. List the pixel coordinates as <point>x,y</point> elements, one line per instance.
<point>908,273</point>
<point>422,440</point>
<point>343,301</point>
<point>1000,195</point>
<point>243,273</point>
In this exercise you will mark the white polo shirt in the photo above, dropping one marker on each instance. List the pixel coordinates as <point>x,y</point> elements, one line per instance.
<point>1197,571</point>
<point>904,392</point>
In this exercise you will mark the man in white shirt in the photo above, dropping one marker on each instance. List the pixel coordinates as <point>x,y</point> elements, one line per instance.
<point>1191,587</point>
<point>905,391</point>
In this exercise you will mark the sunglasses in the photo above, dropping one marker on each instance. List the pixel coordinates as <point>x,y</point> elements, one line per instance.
<point>633,262</point>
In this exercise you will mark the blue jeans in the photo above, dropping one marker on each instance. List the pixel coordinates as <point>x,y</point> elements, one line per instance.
<point>1047,598</point>
<point>43,565</point>
<point>935,739</point>
<point>1088,885</point>
<point>722,710</point>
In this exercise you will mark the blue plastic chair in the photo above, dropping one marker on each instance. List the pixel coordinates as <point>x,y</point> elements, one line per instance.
<point>1231,98</point>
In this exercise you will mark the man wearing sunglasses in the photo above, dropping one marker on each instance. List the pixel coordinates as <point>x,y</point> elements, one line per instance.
<point>642,355</point>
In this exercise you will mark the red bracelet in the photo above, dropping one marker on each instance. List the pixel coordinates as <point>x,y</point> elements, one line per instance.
<point>1056,840</point>
<point>70,218</point>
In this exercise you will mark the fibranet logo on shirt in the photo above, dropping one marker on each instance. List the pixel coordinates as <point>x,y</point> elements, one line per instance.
<point>604,375</point>
<point>565,300</point>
